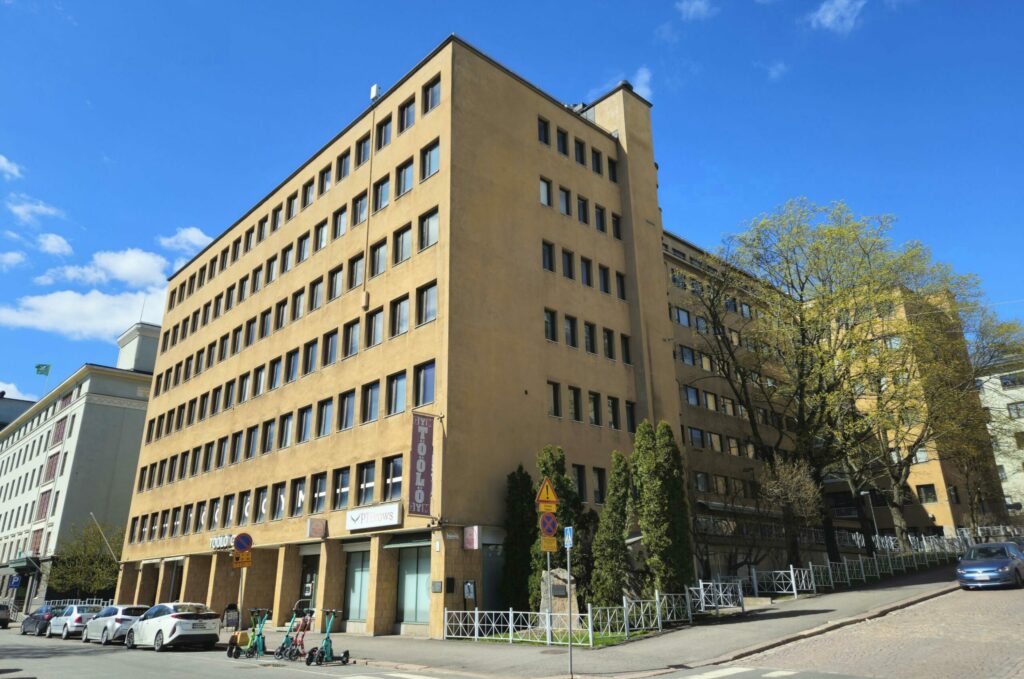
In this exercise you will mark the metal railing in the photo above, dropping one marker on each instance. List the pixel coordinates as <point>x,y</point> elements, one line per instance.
<point>57,603</point>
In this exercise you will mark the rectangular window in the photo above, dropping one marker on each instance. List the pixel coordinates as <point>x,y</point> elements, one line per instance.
<point>426,304</point>
<point>346,410</point>
<point>590,337</point>
<point>580,149</point>
<point>341,481</point>
<point>316,294</point>
<point>695,436</point>
<point>617,226</point>
<point>582,210</point>
<point>287,261</point>
<point>252,441</point>
<point>402,244</point>
<point>627,356</point>
<point>596,163</point>
<point>403,178</point>
<point>547,256</point>
<point>320,236</point>
<point>307,194</point>
<point>576,404</point>
<point>586,272</point>
<point>926,494</point>
<point>604,279</point>
<point>568,264</point>
<point>362,150</point>
<point>430,160</point>
<point>261,505</point>
<point>594,400</point>
<point>291,207</point>
<point>371,402</point>
<point>343,166</point>
<point>356,267</point>
<point>360,208</point>
<point>325,180</point>
<point>229,511</point>
<point>424,383</point>
<point>429,228</point>
<point>351,338</point>
<point>319,493</point>
<point>291,365</point>
<point>298,497</point>
<point>365,473</point>
<point>244,507</point>
<point>432,94</point>
<point>381,193</point>
<point>579,478</point>
<point>564,201</point>
<point>392,478</point>
<point>284,433</point>
<point>324,417</point>
<point>630,417</point>
<point>339,223</point>
<point>571,336</point>
<point>613,170</point>
<point>620,285</point>
<point>374,327</point>
<point>383,133</point>
<point>609,343</point>
<point>330,350</point>
<point>599,219</point>
<point>378,258</point>
<point>335,283</point>
<point>550,325</point>
<point>399,316</point>
<point>305,424</point>
<point>1015,410</point>
<point>406,115</point>
<point>562,138</point>
<point>543,131</point>
<point>396,393</point>
<point>545,192</point>
<point>554,399</point>
<point>277,501</point>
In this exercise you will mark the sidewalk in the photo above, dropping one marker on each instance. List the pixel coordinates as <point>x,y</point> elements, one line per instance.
<point>687,647</point>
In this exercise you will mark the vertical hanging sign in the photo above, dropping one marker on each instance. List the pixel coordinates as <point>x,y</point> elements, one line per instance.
<point>421,472</point>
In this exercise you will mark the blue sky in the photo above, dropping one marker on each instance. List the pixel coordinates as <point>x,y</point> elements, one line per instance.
<point>132,131</point>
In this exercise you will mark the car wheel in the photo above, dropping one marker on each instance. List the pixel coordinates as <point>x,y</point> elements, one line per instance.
<point>129,641</point>
<point>65,633</point>
<point>158,642</point>
<point>104,638</point>
<point>49,631</point>
<point>23,631</point>
<point>1017,581</point>
<point>85,635</point>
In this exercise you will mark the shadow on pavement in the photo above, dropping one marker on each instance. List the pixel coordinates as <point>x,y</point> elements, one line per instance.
<point>766,614</point>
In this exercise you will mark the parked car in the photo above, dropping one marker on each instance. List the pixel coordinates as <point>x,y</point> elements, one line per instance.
<point>38,621</point>
<point>111,623</point>
<point>175,624</point>
<point>71,621</point>
<point>991,565</point>
<point>5,616</point>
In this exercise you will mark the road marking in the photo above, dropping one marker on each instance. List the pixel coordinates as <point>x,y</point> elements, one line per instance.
<point>724,672</point>
<point>407,676</point>
<point>779,673</point>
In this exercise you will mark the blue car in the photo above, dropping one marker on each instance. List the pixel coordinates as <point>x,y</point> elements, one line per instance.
<point>994,564</point>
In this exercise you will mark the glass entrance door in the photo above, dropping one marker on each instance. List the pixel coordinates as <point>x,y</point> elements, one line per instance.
<point>357,585</point>
<point>310,572</point>
<point>413,585</point>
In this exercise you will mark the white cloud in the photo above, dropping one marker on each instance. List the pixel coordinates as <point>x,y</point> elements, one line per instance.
<point>53,244</point>
<point>11,259</point>
<point>9,169</point>
<point>642,82</point>
<point>838,16</point>
<point>775,69</point>
<point>136,268</point>
<point>13,235</point>
<point>13,392</point>
<point>27,210</point>
<point>666,32</point>
<point>188,239</point>
<point>695,10</point>
<point>89,315</point>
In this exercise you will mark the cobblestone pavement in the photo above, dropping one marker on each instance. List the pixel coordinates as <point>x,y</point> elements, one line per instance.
<point>975,634</point>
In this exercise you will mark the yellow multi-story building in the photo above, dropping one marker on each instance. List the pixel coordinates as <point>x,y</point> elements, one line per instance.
<point>469,271</point>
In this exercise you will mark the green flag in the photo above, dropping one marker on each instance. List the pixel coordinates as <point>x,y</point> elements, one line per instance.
<point>42,369</point>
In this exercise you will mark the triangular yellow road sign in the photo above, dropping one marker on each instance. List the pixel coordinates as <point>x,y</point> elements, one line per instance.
<point>546,492</point>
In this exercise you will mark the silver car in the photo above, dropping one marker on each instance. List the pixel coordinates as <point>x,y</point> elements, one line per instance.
<point>71,621</point>
<point>111,623</point>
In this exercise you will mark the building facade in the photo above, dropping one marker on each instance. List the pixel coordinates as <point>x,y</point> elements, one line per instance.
<point>1002,393</point>
<point>469,250</point>
<point>71,454</point>
<point>10,408</point>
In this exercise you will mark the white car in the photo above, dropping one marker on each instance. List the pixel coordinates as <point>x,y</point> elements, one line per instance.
<point>71,621</point>
<point>175,624</point>
<point>112,623</point>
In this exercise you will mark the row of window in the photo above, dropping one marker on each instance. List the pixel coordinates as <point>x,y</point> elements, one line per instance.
<point>316,353</point>
<point>274,502</point>
<point>579,477</point>
<point>574,408</point>
<point>12,437</point>
<point>570,333</point>
<point>19,517</point>
<point>586,270</point>
<point>28,545</point>
<point>579,150</point>
<point>1016,410</point>
<point>314,241</point>
<point>304,300</point>
<point>34,478</point>
<point>311,421</point>
<point>430,98</point>
<point>693,396</point>
<point>719,484</point>
<point>583,214</point>
<point>681,281</point>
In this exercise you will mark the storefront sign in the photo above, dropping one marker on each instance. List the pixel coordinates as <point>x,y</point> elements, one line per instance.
<point>376,516</point>
<point>422,464</point>
<point>222,542</point>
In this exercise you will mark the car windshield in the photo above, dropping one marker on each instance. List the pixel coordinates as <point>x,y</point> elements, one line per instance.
<point>134,610</point>
<point>987,552</point>
<point>88,609</point>
<point>190,608</point>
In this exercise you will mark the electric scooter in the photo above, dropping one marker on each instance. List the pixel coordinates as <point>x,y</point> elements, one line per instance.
<point>257,645</point>
<point>288,643</point>
<point>241,640</point>
<point>325,653</point>
<point>299,646</point>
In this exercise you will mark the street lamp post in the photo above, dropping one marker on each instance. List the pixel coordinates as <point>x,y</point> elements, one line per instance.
<point>873,519</point>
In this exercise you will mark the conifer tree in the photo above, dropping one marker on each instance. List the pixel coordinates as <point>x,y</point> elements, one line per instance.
<point>520,534</point>
<point>611,558</point>
<point>551,464</point>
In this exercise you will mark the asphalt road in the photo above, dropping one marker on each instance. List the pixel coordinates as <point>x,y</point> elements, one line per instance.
<point>22,657</point>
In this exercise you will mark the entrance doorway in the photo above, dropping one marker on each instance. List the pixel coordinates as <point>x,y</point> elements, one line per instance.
<point>357,585</point>
<point>413,585</point>
<point>310,573</point>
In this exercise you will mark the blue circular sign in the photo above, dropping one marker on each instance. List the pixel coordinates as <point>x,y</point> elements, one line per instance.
<point>243,542</point>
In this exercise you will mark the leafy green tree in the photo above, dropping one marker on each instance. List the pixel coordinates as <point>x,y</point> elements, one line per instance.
<point>611,558</point>
<point>82,565</point>
<point>661,508</point>
<point>520,534</point>
<point>551,464</point>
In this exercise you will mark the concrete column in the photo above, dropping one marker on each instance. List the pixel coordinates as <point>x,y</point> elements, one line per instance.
<point>145,587</point>
<point>383,594</point>
<point>330,589</point>
<point>259,585</point>
<point>288,583</point>
<point>222,585</point>
<point>127,581</point>
<point>195,578</point>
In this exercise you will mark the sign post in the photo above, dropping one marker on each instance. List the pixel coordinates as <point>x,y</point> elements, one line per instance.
<point>241,557</point>
<point>547,506</point>
<point>567,539</point>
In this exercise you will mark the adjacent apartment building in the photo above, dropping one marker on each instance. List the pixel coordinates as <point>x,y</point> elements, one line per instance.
<point>1002,393</point>
<point>72,453</point>
<point>470,270</point>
